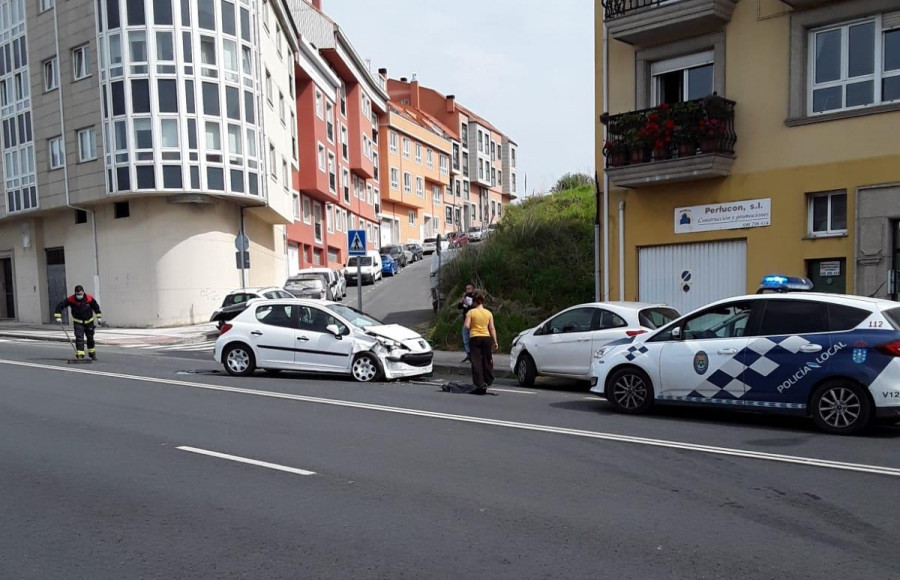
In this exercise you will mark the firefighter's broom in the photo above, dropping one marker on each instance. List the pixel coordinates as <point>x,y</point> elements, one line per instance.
<point>76,360</point>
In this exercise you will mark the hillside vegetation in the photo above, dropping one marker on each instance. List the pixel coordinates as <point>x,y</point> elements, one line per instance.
<point>539,260</point>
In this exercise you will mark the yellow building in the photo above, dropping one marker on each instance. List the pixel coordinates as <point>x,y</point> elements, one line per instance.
<point>415,174</point>
<point>747,138</point>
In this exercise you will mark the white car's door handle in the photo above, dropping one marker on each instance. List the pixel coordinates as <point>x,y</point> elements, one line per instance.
<point>256,333</point>
<point>810,348</point>
<point>584,340</point>
<point>303,338</point>
<point>728,351</point>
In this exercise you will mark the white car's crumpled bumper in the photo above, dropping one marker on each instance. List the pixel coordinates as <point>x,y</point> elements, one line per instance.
<point>402,363</point>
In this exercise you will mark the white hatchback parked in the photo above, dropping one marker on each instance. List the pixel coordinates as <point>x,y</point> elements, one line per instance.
<point>563,345</point>
<point>320,337</point>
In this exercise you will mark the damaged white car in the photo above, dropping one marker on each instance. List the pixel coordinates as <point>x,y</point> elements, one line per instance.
<point>320,337</point>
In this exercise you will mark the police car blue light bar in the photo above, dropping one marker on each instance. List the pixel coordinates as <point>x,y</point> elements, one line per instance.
<point>786,284</point>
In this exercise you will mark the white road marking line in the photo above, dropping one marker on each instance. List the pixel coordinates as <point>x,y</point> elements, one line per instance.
<point>680,446</point>
<point>265,464</point>
<point>512,391</point>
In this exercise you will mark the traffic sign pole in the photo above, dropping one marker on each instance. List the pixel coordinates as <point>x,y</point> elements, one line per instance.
<point>356,245</point>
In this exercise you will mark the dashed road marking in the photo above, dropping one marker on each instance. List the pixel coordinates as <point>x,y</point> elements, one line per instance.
<point>237,459</point>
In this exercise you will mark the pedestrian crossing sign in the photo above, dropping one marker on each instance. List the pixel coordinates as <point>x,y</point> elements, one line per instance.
<point>356,242</point>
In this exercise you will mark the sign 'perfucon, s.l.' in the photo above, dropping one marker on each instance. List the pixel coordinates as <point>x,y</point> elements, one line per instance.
<point>735,215</point>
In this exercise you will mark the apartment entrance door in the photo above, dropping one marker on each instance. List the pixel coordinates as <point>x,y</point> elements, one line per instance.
<point>7,288</point>
<point>56,279</point>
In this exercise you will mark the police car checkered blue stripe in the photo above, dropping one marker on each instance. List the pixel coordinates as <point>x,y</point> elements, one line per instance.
<point>752,365</point>
<point>732,402</point>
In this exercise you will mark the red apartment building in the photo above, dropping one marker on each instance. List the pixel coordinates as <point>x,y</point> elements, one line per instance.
<point>484,164</point>
<point>339,106</point>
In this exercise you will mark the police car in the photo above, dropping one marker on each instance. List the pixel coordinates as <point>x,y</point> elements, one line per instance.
<point>831,357</point>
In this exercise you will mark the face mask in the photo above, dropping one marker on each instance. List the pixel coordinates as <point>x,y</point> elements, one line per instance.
<point>79,296</point>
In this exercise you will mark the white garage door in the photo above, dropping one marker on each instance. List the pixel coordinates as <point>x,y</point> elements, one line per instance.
<point>688,276</point>
<point>293,259</point>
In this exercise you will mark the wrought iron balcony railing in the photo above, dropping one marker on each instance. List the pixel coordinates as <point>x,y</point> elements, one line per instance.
<point>670,131</point>
<point>616,8</point>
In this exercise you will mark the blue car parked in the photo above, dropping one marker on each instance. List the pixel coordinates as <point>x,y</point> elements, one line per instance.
<point>389,266</point>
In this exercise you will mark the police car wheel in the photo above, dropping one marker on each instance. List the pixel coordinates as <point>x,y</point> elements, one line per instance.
<point>841,407</point>
<point>526,371</point>
<point>239,361</point>
<point>629,391</point>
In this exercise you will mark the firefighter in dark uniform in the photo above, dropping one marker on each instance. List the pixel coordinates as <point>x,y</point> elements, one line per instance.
<point>85,311</point>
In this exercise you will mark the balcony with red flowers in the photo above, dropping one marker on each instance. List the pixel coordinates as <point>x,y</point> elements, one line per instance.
<point>685,141</point>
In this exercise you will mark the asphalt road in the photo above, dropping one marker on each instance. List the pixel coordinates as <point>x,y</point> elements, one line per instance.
<point>403,299</point>
<point>106,473</point>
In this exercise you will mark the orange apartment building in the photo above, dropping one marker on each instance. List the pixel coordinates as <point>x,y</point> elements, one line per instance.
<point>484,161</point>
<point>415,176</point>
<point>339,107</point>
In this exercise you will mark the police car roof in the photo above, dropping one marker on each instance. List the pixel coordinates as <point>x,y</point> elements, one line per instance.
<point>845,299</point>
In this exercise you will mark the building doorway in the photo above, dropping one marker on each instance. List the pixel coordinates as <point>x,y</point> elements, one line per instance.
<point>828,275</point>
<point>7,289</point>
<point>56,279</point>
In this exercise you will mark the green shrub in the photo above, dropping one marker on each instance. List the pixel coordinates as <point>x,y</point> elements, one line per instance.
<point>573,181</point>
<point>539,260</point>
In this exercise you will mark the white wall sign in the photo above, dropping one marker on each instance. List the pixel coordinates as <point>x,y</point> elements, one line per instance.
<point>751,213</point>
<point>830,269</point>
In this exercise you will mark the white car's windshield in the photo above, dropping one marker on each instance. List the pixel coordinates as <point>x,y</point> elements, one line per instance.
<point>354,316</point>
<point>363,261</point>
<point>304,284</point>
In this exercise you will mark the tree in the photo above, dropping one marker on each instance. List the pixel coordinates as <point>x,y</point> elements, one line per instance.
<point>572,181</point>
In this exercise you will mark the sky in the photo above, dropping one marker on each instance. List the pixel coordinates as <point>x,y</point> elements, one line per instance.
<point>527,66</point>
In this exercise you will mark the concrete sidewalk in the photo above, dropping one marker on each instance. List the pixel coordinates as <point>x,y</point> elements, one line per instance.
<point>115,336</point>
<point>447,362</point>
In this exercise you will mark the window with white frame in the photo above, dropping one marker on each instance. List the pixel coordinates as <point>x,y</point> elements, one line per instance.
<point>269,90</point>
<point>332,173</point>
<point>57,153</point>
<point>420,187</point>
<point>345,182</point>
<point>296,206</point>
<point>419,153</point>
<point>392,141</point>
<point>307,212</point>
<point>51,74</point>
<point>369,194</point>
<point>321,157</point>
<point>329,122</point>
<point>273,161</point>
<point>345,143</point>
<point>828,214</point>
<point>87,145</point>
<point>407,183</point>
<point>395,178</point>
<point>448,215</point>
<point>445,164</point>
<point>81,63</point>
<point>412,218</point>
<point>406,148</point>
<point>320,111</point>
<point>343,94</point>
<point>429,158</point>
<point>680,79</point>
<point>317,221</point>
<point>329,218</point>
<point>285,173</point>
<point>436,195</point>
<point>854,65</point>
<point>47,5</point>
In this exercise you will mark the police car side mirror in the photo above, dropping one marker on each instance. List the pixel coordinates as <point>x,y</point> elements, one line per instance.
<point>676,333</point>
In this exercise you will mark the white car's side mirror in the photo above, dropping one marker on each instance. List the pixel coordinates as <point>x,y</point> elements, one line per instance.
<point>333,329</point>
<point>676,333</point>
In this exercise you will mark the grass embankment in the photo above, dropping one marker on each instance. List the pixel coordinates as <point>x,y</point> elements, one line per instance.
<point>539,260</point>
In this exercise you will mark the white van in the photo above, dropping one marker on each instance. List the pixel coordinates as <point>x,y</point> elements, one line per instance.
<point>370,266</point>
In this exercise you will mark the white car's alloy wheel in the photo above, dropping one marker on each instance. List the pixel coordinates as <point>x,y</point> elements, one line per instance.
<point>364,369</point>
<point>239,361</point>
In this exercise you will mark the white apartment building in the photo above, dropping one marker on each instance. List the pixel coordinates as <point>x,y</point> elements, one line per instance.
<point>139,141</point>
